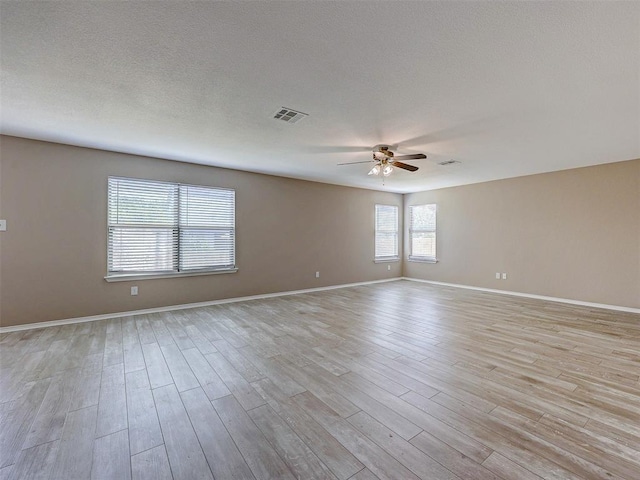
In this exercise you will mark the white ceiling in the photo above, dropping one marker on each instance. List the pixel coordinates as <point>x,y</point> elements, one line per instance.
<point>508,89</point>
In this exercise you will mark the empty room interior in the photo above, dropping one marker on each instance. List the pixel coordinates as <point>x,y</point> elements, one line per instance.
<point>319,240</point>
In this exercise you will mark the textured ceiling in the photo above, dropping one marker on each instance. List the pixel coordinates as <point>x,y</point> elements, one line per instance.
<point>507,89</point>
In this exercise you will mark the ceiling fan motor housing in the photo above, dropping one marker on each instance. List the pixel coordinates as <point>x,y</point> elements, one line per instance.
<point>381,153</point>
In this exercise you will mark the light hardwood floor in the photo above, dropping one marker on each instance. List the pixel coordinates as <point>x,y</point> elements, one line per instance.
<point>393,381</point>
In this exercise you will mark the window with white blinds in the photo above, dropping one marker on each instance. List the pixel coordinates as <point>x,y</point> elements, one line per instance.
<point>207,228</point>
<point>386,226</point>
<point>422,232</point>
<point>160,227</point>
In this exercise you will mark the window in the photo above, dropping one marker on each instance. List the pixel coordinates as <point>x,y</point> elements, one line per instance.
<point>169,228</point>
<point>422,232</point>
<point>386,248</point>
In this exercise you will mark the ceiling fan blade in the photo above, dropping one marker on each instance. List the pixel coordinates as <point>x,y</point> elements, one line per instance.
<point>353,163</point>
<point>405,166</point>
<point>336,149</point>
<point>415,156</point>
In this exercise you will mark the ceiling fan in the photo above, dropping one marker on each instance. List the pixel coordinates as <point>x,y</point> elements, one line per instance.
<point>385,161</point>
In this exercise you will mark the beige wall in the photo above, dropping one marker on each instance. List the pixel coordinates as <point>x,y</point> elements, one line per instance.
<point>571,234</point>
<point>53,255</point>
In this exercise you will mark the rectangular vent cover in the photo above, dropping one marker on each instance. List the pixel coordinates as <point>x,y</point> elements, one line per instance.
<point>290,116</point>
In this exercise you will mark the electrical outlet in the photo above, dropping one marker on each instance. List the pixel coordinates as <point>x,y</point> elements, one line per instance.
<point>389,267</point>
<point>504,276</point>
<point>3,225</point>
<point>317,274</point>
<point>497,275</point>
<point>134,290</point>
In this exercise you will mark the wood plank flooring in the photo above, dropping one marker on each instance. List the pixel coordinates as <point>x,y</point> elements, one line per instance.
<point>400,380</point>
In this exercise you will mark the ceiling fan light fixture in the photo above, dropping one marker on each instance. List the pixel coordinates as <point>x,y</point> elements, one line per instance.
<point>385,161</point>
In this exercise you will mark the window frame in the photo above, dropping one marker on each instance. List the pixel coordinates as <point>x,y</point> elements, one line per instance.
<point>114,276</point>
<point>386,258</point>
<point>411,231</point>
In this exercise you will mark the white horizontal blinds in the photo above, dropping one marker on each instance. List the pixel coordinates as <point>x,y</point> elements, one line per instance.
<point>422,231</point>
<point>143,226</point>
<point>386,232</point>
<point>207,228</point>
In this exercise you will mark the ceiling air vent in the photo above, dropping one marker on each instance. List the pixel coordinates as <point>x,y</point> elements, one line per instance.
<point>448,162</point>
<point>290,116</point>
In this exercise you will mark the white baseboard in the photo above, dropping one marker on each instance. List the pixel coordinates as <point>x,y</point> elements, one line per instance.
<point>530,295</point>
<point>93,318</point>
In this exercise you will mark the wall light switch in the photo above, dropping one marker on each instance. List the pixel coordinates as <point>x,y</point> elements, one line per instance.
<point>504,276</point>
<point>134,290</point>
<point>388,267</point>
<point>3,225</point>
<point>317,274</point>
<point>497,275</point>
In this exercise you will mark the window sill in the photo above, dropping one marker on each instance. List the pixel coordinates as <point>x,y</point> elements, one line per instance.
<point>386,260</point>
<point>422,260</point>
<point>152,276</point>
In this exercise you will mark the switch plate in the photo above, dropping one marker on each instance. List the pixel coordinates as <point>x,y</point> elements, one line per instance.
<point>388,267</point>
<point>497,275</point>
<point>317,274</point>
<point>134,290</point>
<point>504,276</point>
<point>3,225</point>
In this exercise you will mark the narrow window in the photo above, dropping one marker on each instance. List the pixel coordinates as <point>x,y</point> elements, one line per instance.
<point>422,232</point>
<point>386,226</point>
